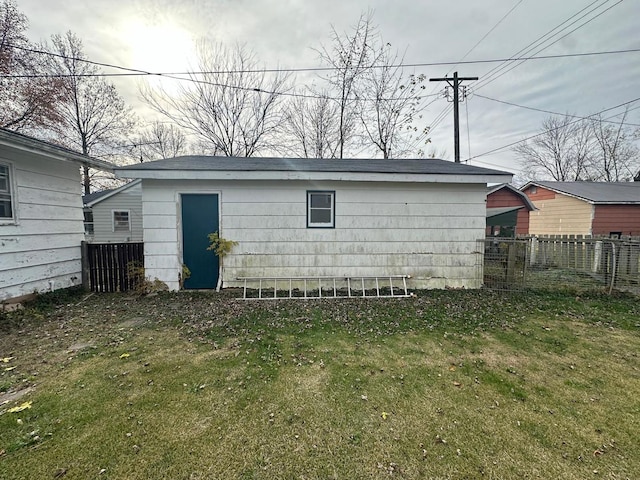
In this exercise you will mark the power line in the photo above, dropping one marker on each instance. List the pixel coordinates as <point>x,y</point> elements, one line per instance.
<point>510,65</point>
<point>494,73</point>
<point>488,33</point>
<point>544,111</point>
<point>530,46</point>
<point>551,130</point>
<point>137,72</point>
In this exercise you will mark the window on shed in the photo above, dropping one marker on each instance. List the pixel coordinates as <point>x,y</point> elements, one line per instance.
<point>533,189</point>
<point>121,221</point>
<point>321,209</point>
<point>6,200</point>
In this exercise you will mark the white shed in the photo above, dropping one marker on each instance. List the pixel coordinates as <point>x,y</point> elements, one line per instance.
<point>41,221</point>
<point>114,215</point>
<point>314,217</point>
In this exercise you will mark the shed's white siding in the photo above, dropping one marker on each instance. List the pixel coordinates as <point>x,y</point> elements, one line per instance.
<point>129,200</point>
<point>426,230</point>
<point>40,251</point>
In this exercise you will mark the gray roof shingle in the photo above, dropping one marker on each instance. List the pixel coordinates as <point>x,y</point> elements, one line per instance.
<point>90,197</point>
<point>596,192</point>
<point>411,166</point>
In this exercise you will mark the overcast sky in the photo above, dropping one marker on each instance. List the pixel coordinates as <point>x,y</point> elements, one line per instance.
<point>158,35</point>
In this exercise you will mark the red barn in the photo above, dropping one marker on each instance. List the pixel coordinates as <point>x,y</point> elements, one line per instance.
<point>507,211</point>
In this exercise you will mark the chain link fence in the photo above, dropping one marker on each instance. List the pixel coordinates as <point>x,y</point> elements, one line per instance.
<point>559,262</point>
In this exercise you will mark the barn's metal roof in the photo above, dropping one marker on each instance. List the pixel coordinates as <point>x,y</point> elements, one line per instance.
<point>235,164</point>
<point>595,192</point>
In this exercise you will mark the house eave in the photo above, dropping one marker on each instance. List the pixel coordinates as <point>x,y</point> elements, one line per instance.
<point>27,144</point>
<point>310,176</point>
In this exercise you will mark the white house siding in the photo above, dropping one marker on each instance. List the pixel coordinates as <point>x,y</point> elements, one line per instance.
<point>41,250</point>
<point>426,230</point>
<point>129,200</point>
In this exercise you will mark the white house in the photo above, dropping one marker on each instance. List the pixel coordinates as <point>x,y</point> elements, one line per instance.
<point>114,215</point>
<point>41,221</point>
<point>314,217</point>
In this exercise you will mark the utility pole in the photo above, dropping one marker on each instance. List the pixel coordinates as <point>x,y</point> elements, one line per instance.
<point>456,121</point>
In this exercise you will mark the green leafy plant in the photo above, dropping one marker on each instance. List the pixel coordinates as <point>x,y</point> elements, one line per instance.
<point>221,247</point>
<point>184,275</point>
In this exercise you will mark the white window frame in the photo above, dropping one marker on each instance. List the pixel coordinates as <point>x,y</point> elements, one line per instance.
<point>13,219</point>
<point>113,221</point>
<point>330,224</point>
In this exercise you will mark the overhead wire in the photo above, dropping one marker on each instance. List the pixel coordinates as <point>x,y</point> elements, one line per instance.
<point>551,130</point>
<point>509,65</point>
<point>133,72</point>
<point>447,109</point>
<point>543,110</point>
<point>492,164</point>
<point>499,70</point>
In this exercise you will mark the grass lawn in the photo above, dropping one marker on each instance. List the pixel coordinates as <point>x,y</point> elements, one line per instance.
<point>448,385</point>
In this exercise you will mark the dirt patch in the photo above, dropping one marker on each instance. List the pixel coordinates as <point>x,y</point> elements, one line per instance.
<point>76,347</point>
<point>132,322</point>
<point>9,397</point>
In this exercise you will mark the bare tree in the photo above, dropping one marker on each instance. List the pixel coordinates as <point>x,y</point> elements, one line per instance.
<point>311,122</point>
<point>563,151</point>
<point>94,118</point>
<point>162,141</point>
<point>27,101</point>
<point>390,102</point>
<point>616,156</point>
<point>351,55</point>
<point>232,106</point>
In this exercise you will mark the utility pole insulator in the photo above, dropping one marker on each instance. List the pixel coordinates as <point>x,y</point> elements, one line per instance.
<point>454,83</point>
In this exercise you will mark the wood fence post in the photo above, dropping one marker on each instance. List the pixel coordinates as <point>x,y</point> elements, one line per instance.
<point>86,282</point>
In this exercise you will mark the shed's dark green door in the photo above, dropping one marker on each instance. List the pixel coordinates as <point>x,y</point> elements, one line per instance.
<point>199,218</point>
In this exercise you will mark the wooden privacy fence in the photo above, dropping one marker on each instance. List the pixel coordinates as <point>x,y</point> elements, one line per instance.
<point>110,267</point>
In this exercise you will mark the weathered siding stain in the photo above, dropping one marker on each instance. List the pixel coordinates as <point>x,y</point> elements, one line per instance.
<point>42,249</point>
<point>428,231</point>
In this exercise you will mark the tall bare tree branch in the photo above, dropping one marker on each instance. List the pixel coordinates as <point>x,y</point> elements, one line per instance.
<point>236,110</point>
<point>93,117</point>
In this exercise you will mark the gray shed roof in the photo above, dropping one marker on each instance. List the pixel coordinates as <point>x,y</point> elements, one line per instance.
<point>596,192</point>
<point>90,197</point>
<point>407,166</point>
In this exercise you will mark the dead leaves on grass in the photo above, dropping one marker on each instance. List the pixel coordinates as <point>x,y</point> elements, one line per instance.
<point>20,408</point>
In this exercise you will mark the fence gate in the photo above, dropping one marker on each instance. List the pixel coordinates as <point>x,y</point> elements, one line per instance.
<point>108,267</point>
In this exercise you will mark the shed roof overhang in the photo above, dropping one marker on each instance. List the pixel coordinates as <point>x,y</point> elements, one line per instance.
<point>310,176</point>
<point>311,169</point>
<point>502,216</point>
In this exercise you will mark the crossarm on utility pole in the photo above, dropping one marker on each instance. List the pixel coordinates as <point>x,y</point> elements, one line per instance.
<point>456,120</point>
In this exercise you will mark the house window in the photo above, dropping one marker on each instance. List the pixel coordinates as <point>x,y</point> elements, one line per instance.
<point>6,193</point>
<point>321,209</point>
<point>533,189</point>
<point>121,221</point>
<point>88,222</point>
